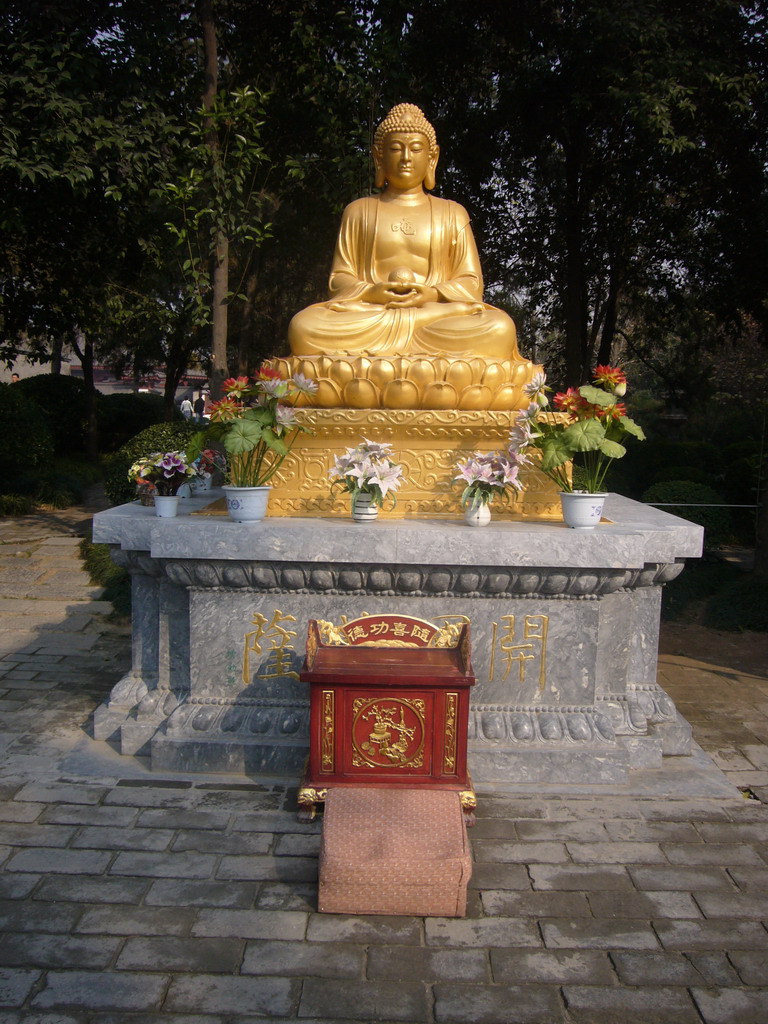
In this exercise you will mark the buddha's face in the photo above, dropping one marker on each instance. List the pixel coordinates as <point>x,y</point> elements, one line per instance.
<point>405,159</point>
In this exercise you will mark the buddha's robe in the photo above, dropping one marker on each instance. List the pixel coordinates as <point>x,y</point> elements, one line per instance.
<point>460,324</point>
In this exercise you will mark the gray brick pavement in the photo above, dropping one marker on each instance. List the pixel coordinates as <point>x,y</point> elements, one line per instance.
<point>130,898</point>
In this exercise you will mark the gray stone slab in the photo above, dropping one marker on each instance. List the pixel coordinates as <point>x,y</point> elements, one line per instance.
<point>304,959</point>
<point>101,990</point>
<point>286,926</point>
<point>491,931</point>
<point>468,1004</point>
<point>603,934</point>
<point>71,951</point>
<point>590,1004</point>
<point>732,1006</point>
<point>122,920</point>
<point>173,892</point>
<point>259,997</point>
<point>212,956</point>
<point>322,997</point>
<point>552,967</point>
<point>380,930</point>
<point>15,986</point>
<point>712,934</point>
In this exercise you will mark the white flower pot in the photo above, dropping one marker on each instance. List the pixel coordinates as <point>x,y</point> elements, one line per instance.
<point>200,483</point>
<point>477,515</point>
<point>364,510</point>
<point>247,504</point>
<point>582,511</point>
<point>166,505</point>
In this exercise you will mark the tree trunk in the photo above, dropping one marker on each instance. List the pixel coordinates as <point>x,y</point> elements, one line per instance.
<point>83,347</point>
<point>575,286</point>
<point>761,543</point>
<point>609,326</point>
<point>57,347</point>
<point>220,270</point>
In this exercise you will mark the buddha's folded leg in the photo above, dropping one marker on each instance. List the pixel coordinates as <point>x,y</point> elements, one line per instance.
<point>485,331</point>
<point>329,328</point>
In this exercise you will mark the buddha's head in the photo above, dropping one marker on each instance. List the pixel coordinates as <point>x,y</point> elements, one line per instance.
<point>405,130</point>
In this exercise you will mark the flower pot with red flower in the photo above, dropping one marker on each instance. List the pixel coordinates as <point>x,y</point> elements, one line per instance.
<point>256,424</point>
<point>591,432</point>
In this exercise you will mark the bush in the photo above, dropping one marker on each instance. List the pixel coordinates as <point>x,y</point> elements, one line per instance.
<point>62,400</point>
<point>103,572</point>
<point>675,494</point>
<point>16,505</point>
<point>741,604</point>
<point>159,438</point>
<point>26,439</point>
<point>123,416</point>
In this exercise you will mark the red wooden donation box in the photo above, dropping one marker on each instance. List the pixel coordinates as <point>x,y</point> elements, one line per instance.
<point>389,705</point>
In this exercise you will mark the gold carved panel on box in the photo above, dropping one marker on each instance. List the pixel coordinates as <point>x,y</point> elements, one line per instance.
<point>388,732</point>
<point>428,444</point>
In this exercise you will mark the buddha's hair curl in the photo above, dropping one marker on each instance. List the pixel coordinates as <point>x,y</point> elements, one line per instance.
<point>405,117</point>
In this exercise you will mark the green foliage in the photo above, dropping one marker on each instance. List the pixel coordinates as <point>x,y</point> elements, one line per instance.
<point>676,495</point>
<point>741,604</point>
<point>62,400</point>
<point>158,438</point>
<point>16,505</point>
<point>103,572</point>
<point>123,416</point>
<point>718,595</point>
<point>26,438</point>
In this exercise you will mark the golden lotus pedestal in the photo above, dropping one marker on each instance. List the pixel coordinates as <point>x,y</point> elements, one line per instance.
<point>428,444</point>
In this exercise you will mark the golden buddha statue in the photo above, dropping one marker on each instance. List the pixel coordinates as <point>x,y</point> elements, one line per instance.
<point>405,326</point>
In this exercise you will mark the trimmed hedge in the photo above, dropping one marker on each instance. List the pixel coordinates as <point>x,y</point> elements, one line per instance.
<point>62,402</point>
<point>158,438</point>
<point>675,495</point>
<point>28,445</point>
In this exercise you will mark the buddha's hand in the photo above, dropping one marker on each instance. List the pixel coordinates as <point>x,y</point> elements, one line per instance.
<point>394,295</point>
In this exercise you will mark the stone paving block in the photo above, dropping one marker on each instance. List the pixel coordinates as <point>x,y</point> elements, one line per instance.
<point>60,862</point>
<point>603,934</point>
<point>92,889</point>
<point>724,854</point>
<point>655,969</point>
<point>216,821</point>
<point>102,837</point>
<point>712,934</point>
<point>122,920</point>
<point>287,896</point>
<point>300,869</point>
<point>31,949</point>
<point>276,821</point>
<point>214,993</point>
<point>13,811</point>
<point>298,846</point>
<point>732,1006</point>
<point>616,852</point>
<point>554,967</point>
<point>512,807</point>
<point>11,1017</point>
<point>750,879</point>
<point>754,832</point>
<point>287,926</point>
<point>523,1004</point>
<point>499,876</point>
<point>216,842</point>
<point>579,877</point>
<point>170,1018</point>
<point>304,959</point>
<point>680,878</point>
<point>16,916</point>
<point>494,851</point>
<point>589,1004</point>
<point>715,968</point>
<point>363,1000</point>
<point>204,893</point>
<point>213,956</point>
<point>155,798</point>
<point>488,931</point>
<point>494,828</point>
<point>35,835</point>
<point>101,990</point>
<point>685,810</point>
<point>645,905</point>
<point>750,905</point>
<point>499,903</point>
<point>653,831</point>
<point>386,930</point>
<point>61,793</point>
<point>752,967</point>
<point>402,963</point>
<point>17,887</point>
<point>164,865</point>
<point>583,831</point>
<point>15,986</point>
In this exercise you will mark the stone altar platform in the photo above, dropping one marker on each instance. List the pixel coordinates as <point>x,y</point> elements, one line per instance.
<point>564,629</point>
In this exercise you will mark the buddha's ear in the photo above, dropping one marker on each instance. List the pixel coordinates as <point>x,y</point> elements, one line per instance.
<point>429,177</point>
<point>379,179</point>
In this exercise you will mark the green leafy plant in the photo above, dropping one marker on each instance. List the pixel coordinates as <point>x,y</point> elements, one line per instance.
<point>159,437</point>
<point>594,426</point>
<point>256,423</point>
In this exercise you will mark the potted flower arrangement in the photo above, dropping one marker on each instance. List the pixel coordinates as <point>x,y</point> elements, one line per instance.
<point>256,423</point>
<point>597,423</point>
<point>368,474</point>
<point>166,472</point>
<point>486,476</point>
<point>207,462</point>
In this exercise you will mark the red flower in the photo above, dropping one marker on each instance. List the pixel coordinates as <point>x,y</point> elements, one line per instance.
<point>611,412</point>
<point>235,386</point>
<point>225,410</point>
<point>612,378</point>
<point>267,373</point>
<point>570,401</point>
